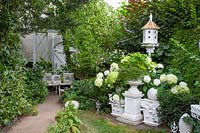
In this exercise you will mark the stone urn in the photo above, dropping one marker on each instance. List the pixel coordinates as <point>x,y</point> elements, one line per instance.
<point>133,90</point>
<point>152,94</point>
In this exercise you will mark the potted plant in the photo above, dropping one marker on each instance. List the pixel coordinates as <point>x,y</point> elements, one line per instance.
<point>133,67</point>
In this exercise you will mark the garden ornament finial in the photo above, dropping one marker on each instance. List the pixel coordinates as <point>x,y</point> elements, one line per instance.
<point>150,17</point>
<point>174,128</point>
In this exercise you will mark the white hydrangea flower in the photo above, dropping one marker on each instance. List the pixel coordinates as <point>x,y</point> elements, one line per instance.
<point>163,78</point>
<point>106,72</point>
<point>178,89</point>
<point>73,102</point>
<point>174,91</point>
<point>147,79</point>
<point>183,84</point>
<point>171,79</point>
<point>100,75</point>
<point>43,16</point>
<point>160,66</point>
<point>156,82</point>
<point>114,67</point>
<point>116,98</point>
<point>98,82</point>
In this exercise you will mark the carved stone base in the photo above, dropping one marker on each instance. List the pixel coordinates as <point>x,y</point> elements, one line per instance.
<point>117,109</point>
<point>131,119</point>
<point>149,108</point>
<point>154,124</point>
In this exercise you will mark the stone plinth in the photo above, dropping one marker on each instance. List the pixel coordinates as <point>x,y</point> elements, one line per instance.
<point>132,111</point>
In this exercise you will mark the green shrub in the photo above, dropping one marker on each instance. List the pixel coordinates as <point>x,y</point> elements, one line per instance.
<point>184,46</point>
<point>36,90</point>
<point>67,121</point>
<point>98,31</point>
<point>173,106</point>
<point>87,94</point>
<point>13,101</point>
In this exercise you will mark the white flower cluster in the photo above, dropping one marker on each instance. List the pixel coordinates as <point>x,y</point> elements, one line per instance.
<point>98,82</point>
<point>147,78</point>
<point>111,75</point>
<point>106,73</point>
<point>114,67</point>
<point>181,88</point>
<point>170,78</point>
<point>156,82</point>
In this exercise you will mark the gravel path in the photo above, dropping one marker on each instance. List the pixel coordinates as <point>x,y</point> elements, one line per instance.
<point>40,122</point>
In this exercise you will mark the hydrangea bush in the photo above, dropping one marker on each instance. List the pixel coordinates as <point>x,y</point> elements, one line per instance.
<point>108,78</point>
<point>158,79</point>
<point>174,94</point>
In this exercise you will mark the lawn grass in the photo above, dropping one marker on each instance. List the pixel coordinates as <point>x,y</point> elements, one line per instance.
<point>96,123</point>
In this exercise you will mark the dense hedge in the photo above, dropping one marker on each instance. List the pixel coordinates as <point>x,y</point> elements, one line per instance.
<point>36,89</point>
<point>173,106</point>
<point>13,100</point>
<point>184,45</point>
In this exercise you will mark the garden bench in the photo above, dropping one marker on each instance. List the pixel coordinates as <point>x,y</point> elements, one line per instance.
<point>55,80</point>
<point>67,81</point>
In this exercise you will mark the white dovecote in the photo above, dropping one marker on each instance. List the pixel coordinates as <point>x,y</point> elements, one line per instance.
<point>150,35</point>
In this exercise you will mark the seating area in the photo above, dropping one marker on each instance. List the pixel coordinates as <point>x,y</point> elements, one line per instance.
<point>60,82</point>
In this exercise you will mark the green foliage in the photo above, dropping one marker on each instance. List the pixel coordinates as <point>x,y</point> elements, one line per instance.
<point>13,101</point>
<point>86,93</point>
<point>46,65</point>
<point>173,106</point>
<point>110,57</point>
<point>135,65</point>
<point>134,17</point>
<point>15,97</point>
<point>67,121</point>
<point>184,46</point>
<point>97,32</point>
<point>168,14</point>
<point>83,91</point>
<point>36,89</point>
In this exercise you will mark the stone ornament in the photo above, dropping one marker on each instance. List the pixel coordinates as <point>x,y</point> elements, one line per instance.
<point>174,127</point>
<point>152,94</point>
<point>117,106</point>
<point>195,111</point>
<point>149,108</point>
<point>183,126</point>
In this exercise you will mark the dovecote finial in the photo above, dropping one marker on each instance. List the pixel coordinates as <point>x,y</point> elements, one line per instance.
<point>150,17</point>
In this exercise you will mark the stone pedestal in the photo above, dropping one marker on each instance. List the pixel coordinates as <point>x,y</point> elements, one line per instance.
<point>149,108</point>
<point>132,111</point>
